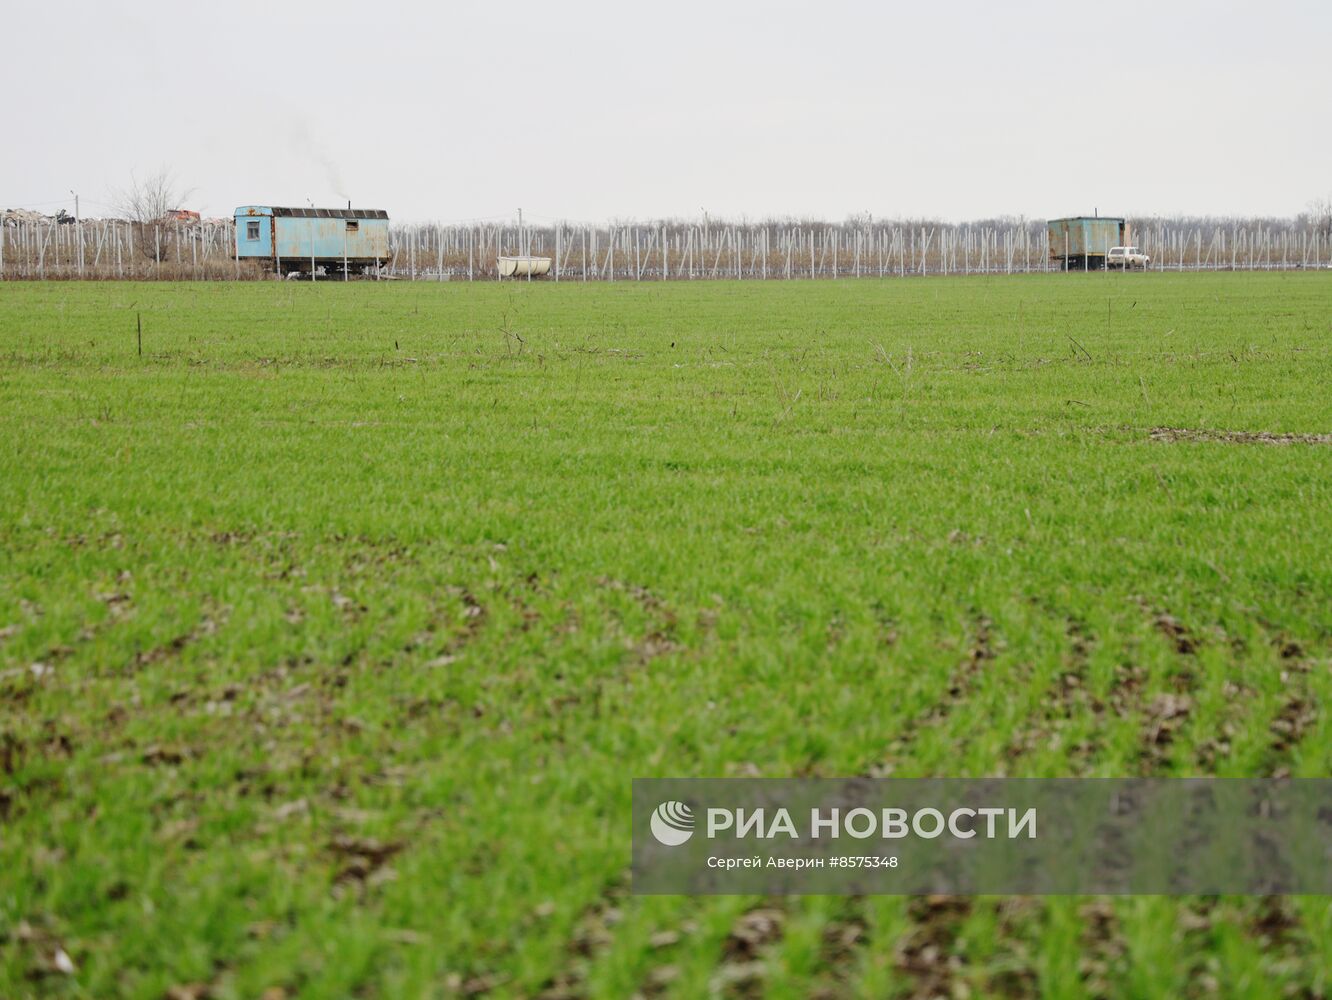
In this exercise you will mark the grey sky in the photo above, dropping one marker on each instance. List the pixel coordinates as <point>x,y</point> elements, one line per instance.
<point>596,110</point>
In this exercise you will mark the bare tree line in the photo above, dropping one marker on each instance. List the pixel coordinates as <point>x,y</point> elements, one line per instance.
<point>146,244</point>
<point>856,247</point>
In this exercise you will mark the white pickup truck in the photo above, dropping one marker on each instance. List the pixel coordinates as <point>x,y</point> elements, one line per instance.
<point>1127,258</point>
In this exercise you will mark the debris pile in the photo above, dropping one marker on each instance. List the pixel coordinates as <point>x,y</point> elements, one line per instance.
<point>24,215</point>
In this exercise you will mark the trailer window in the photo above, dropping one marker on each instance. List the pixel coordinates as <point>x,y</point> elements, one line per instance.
<point>252,230</point>
<point>353,226</point>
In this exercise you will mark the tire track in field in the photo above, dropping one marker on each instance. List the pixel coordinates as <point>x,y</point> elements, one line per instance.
<point>1104,959</point>
<point>591,936</point>
<point>593,930</point>
<point>660,637</point>
<point>744,965</point>
<point>924,955</point>
<point>1061,702</point>
<point>843,942</point>
<point>1298,713</point>
<point>961,683</point>
<point>1169,711</point>
<point>742,969</point>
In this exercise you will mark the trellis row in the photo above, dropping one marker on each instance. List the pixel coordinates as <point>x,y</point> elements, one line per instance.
<point>653,251</point>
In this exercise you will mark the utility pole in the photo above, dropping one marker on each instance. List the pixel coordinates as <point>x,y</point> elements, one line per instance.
<point>523,248</point>
<point>527,237</point>
<point>78,231</point>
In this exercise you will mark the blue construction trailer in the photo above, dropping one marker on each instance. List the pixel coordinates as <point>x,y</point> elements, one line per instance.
<point>340,241</point>
<point>1082,243</point>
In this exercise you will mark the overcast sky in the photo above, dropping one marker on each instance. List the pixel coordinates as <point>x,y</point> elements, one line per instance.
<point>596,110</point>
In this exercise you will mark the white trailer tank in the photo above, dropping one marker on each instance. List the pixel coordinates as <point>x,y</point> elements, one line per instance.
<point>523,267</point>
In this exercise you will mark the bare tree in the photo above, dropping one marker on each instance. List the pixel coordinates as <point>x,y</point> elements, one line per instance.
<point>151,198</point>
<point>147,203</point>
<point>1320,215</point>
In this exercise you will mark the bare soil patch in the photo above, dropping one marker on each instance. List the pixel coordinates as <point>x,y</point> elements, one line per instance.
<point>1174,435</point>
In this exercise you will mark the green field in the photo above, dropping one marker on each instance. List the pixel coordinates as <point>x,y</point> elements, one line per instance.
<point>336,622</point>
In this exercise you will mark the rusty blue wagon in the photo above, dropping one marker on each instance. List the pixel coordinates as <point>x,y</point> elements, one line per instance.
<point>1081,244</point>
<point>338,241</point>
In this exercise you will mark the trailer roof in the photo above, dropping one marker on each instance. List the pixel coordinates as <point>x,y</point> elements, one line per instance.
<point>1086,218</point>
<point>331,213</point>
